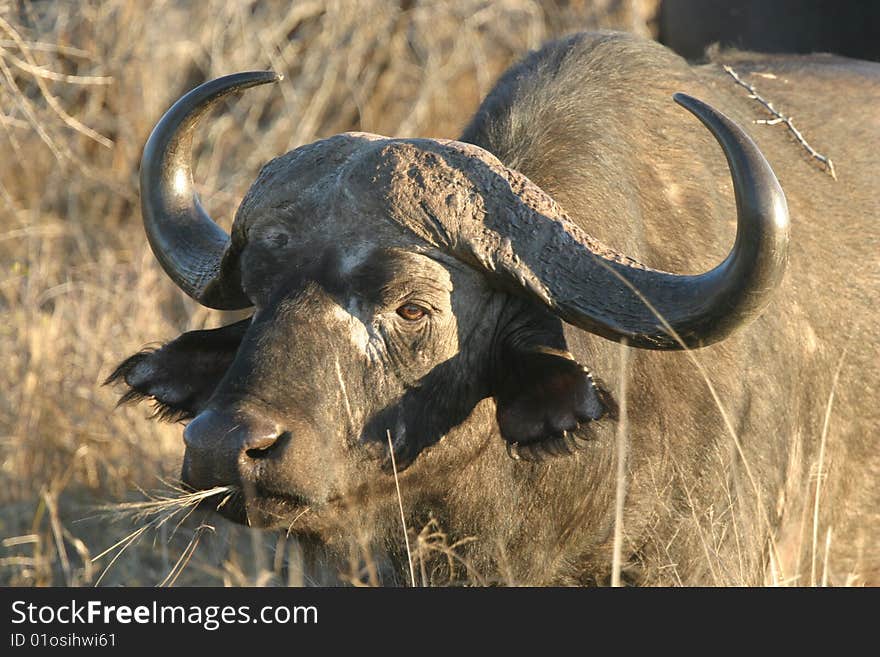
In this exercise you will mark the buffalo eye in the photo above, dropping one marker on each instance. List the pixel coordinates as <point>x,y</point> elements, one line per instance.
<point>411,312</point>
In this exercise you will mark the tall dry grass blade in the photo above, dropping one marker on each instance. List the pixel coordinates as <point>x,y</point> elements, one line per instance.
<point>707,553</point>
<point>825,560</point>
<point>125,543</point>
<point>84,555</point>
<point>58,534</point>
<point>826,422</point>
<point>774,570</point>
<point>412,572</point>
<point>725,416</point>
<point>296,517</point>
<point>13,541</point>
<point>185,556</point>
<point>28,111</point>
<point>622,429</point>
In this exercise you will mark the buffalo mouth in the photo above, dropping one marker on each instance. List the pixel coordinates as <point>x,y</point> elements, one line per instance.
<point>258,508</point>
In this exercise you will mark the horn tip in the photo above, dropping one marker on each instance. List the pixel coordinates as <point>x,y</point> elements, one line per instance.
<point>685,100</point>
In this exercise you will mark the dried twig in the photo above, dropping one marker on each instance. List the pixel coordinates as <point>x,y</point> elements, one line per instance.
<point>433,540</point>
<point>51,100</point>
<point>57,48</point>
<point>48,74</point>
<point>781,118</point>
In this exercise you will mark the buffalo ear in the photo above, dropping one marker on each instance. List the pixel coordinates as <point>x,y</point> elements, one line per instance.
<point>543,400</point>
<point>180,376</point>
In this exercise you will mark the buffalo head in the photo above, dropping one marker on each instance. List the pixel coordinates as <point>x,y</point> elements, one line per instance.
<point>397,283</point>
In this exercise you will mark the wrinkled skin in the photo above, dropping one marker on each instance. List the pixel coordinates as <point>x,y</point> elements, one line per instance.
<point>327,343</point>
<point>296,405</point>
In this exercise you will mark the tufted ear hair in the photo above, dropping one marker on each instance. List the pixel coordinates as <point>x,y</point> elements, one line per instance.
<point>180,376</point>
<point>544,400</point>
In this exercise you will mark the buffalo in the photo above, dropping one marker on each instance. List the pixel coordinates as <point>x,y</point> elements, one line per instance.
<point>843,27</point>
<point>464,328</point>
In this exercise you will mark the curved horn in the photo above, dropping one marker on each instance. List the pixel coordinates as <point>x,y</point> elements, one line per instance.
<point>186,241</point>
<point>706,308</point>
<point>527,244</point>
<point>620,299</point>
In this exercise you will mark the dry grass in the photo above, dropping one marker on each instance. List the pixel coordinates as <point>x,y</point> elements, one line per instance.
<point>81,84</point>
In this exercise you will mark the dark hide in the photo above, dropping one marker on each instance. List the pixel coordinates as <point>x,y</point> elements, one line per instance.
<point>843,27</point>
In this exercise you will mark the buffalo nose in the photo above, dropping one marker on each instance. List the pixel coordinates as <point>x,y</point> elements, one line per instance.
<point>224,433</point>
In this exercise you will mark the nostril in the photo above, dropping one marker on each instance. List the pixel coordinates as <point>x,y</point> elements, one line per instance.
<point>259,447</point>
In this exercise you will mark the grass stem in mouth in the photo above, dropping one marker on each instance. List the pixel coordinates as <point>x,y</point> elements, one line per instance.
<point>155,512</point>
<point>165,502</point>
